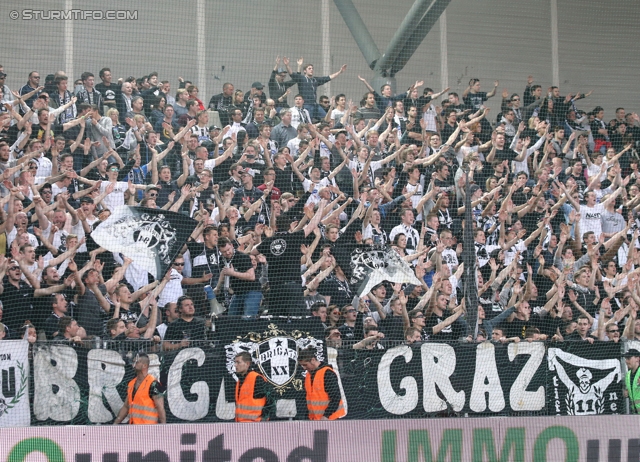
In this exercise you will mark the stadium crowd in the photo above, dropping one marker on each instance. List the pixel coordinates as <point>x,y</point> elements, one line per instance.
<point>284,193</point>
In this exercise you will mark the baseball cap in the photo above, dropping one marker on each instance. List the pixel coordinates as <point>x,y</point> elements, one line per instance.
<point>214,127</point>
<point>631,353</point>
<point>86,199</point>
<point>281,70</point>
<point>473,188</point>
<point>275,195</point>
<point>257,85</point>
<point>151,187</point>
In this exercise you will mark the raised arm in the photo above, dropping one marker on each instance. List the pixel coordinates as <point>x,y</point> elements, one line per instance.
<point>612,197</point>
<point>366,84</point>
<point>185,170</point>
<point>477,119</point>
<point>43,221</point>
<point>336,74</point>
<point>294,168</point>
<point>571,200</point>
<point>315,221</point>
<point>336,170</point>
<point>492,93</point>
<point>164,153</point>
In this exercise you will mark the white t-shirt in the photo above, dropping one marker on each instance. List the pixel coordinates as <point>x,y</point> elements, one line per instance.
<point>522,166</point>
<point>324,149</point>
<point>294,147</point>
<point>510,254</point>
<point>14,233</point>
<point>210,164</point>
<point>593,170</point>
<point>172,291</point>
<point>450,257</point>
<point>483,258</point>
<point>32,268</point>
<point>418,192</point>
<point>215,216</point>
<point>162,329</point>
<point>337,114</point>
<point>464,151</point>
<point>590,219</point>
<point>55,189</point>
<point>78,230</point>
<point>44,167</point>
<point>315,188</point>
<point>134,275</point>
<point>58,239</point>
<point>116,198</point>
<point>235,128</point>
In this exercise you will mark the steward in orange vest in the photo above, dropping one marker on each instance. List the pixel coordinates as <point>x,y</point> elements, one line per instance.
<point>250,391</point>
<point>145,402</point>
<point>324,401</point>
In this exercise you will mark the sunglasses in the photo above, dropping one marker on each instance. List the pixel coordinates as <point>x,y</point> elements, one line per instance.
<point>114,169</point>
<point>351,311</point>
<point>153,194</point>
<point>14,268</point>
<point>419,316</point>
<point>178,264</point>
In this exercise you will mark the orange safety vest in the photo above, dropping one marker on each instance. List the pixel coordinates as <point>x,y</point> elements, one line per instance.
<point>248,408</point>
<point>318,398</point>
<point>142,409</point>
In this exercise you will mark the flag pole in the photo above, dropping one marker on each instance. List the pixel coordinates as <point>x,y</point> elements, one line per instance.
<point>469,258</point>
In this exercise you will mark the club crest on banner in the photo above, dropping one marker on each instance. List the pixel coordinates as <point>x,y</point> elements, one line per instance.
<point>277,359</point>
<point>275,354</point>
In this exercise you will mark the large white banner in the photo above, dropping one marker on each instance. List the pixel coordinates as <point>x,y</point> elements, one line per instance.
<point>14,383</point>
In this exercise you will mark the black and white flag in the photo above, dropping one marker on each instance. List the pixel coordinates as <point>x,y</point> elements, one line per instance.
<point>150,237</point>
<point>584,379</point>
<point>373,264</point>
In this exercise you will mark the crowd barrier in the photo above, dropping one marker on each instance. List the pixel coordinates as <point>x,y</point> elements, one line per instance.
<point>62,384</point>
